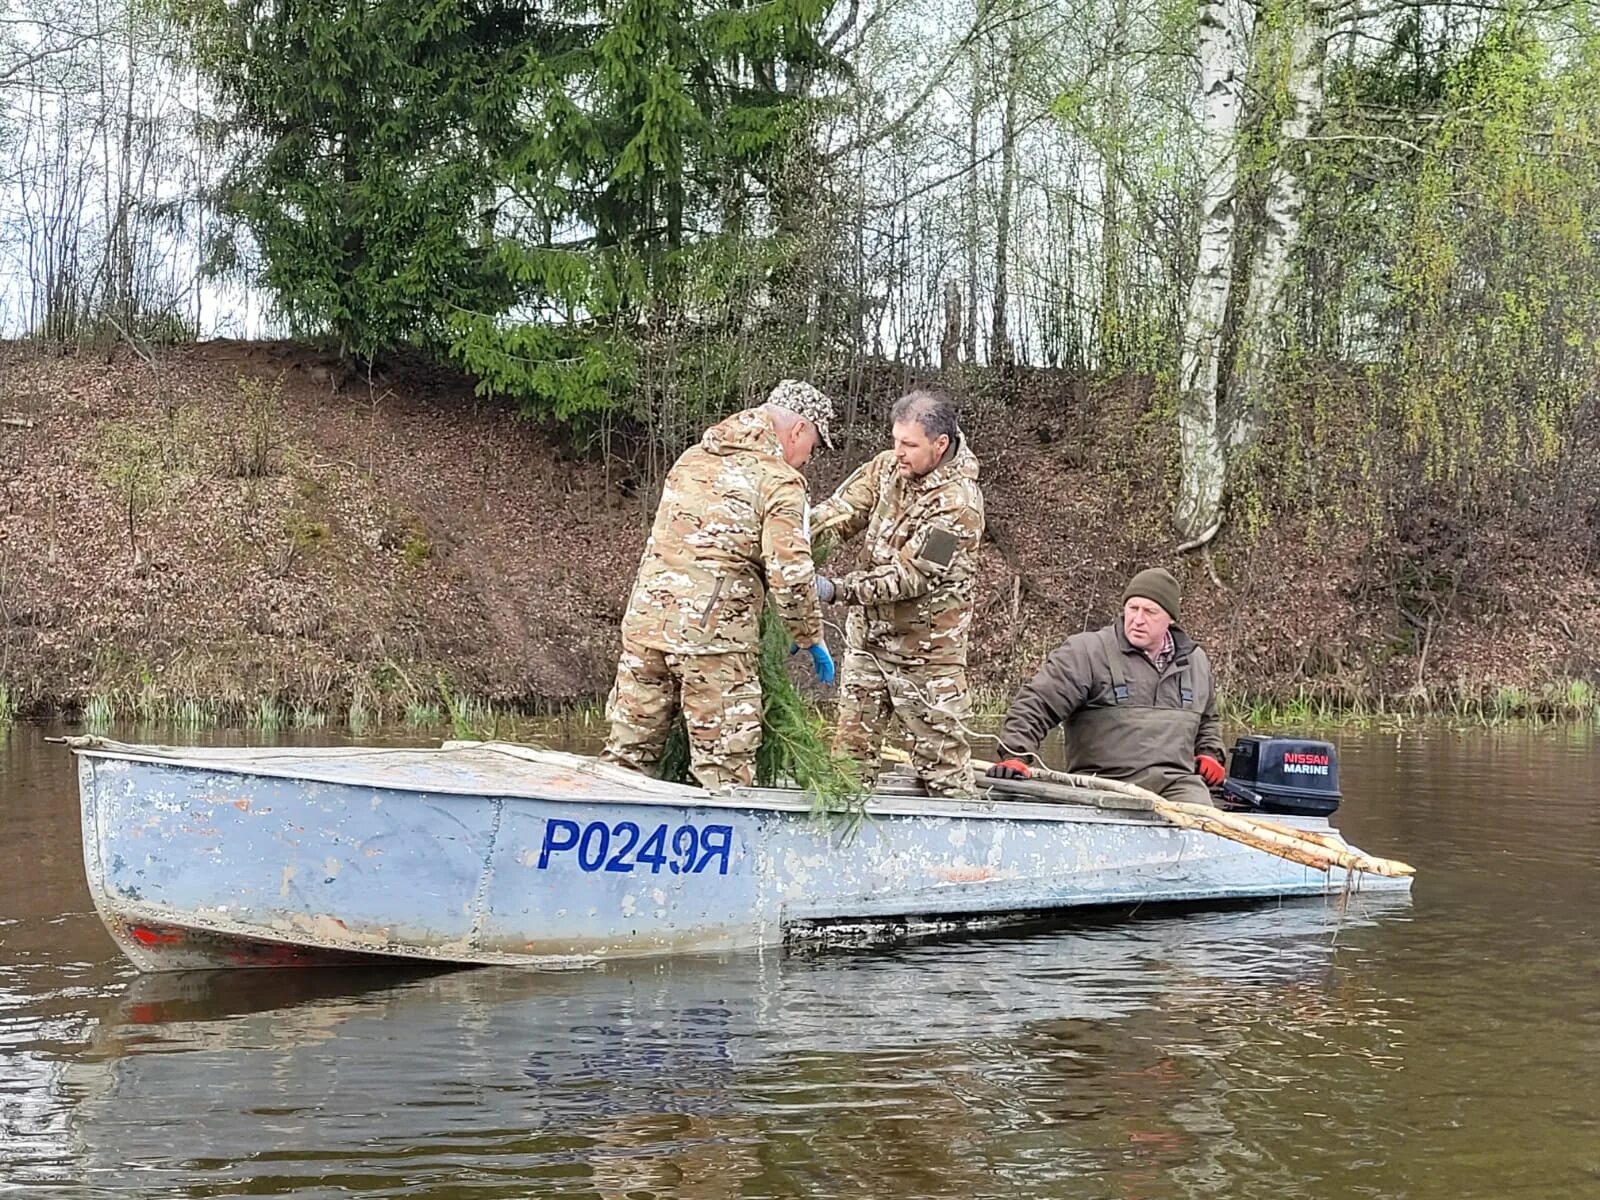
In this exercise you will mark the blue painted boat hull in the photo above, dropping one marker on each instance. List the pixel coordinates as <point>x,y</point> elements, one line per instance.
<point>489,854</point>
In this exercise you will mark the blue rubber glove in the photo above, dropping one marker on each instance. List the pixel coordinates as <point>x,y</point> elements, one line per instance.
<point>821,660</point>
<point>822,663</point>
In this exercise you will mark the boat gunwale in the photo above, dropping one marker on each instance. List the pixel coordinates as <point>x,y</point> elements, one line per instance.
<point>740,799</point>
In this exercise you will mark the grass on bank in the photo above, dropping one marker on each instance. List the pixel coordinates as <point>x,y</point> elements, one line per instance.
<point>1566,701</point>
<point>466,718</point>
<point>1560,702</point>
<point>364,712</point>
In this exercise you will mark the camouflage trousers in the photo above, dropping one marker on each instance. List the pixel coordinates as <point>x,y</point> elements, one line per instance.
<point>928,703</point>
<point>720,695</point>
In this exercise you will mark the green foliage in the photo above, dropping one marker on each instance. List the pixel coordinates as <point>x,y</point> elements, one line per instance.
<point>99,712</point>
<point>303,531</point>
<point>1570,702</point>
<point>359,716</point>
<point>531,189</point>
<point>469,719</point>
<point>268,716</point>
<point>795,748</point>
<point>1498,278</point>
<point>1447,302</point>
<point>305,716</point>
<point>252,448</point>
<point>365,137</point>
<point>420,714</point>
<point>193,713</point>
<point>642,167</point>
<point>418,547</point>
<point>795,742</point>
<point>131,467</point>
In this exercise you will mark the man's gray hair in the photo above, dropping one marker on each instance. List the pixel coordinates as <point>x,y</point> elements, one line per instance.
<point>933,411</point>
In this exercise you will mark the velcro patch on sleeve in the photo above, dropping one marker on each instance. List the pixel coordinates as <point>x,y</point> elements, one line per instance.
<point>939,546</point>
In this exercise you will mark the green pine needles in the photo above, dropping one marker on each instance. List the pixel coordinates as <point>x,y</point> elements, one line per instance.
<point>794,738</point>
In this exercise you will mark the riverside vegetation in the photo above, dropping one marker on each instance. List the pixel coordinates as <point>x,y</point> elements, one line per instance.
<point>1299,298</point>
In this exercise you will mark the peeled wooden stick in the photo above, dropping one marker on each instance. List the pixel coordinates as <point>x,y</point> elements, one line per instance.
<point>1300,852</point>
<point>1159,803</point>
<point>1263,835</point>
<point>1319,850</point>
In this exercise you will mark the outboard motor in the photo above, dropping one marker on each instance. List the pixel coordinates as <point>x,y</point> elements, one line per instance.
<point>1282,775</point>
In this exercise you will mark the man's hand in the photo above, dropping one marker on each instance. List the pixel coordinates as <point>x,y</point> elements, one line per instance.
<point>825,589</point>
<point>1010,768</point>
<point>1210,770</point>
<point>822,663</point>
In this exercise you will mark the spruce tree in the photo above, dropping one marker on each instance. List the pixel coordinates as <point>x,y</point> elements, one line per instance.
<point>532,189</point>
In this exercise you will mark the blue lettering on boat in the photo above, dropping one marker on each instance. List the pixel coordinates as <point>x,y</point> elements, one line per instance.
<point>686,850</point>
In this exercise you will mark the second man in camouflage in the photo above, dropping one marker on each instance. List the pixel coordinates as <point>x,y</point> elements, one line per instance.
<point>921,509</point>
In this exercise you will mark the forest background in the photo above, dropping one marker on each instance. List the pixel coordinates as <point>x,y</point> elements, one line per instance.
<point>1298,297</point>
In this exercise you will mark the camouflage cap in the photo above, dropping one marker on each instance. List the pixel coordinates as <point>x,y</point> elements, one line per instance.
<point>803,400</point>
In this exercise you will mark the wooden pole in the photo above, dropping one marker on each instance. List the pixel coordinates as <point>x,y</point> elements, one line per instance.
<point>1321,850</point>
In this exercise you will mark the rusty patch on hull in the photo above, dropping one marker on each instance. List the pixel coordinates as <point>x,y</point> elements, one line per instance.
<point>164,943</point>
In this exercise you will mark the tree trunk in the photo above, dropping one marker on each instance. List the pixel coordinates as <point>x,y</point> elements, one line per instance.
<point>974,111</point>
<point>1248,384</point>
<point>1110,332</point>
<point>1198,513</point>
<point>1000,348</point>
<point>950,344</point>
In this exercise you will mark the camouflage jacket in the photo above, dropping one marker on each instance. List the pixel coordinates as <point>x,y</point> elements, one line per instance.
<point>730,526</point>
<point>912,603</point>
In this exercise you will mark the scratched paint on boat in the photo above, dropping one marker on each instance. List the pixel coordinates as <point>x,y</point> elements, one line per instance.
<point>495,854</point>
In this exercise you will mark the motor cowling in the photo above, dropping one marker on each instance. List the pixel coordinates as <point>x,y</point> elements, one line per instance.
<point>1283,775</point>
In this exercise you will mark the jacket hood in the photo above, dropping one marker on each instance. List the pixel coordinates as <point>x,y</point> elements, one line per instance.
<point>963,464</point>
<point>750,431</point>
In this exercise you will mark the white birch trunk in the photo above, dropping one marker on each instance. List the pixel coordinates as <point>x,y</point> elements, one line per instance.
<point>1198,513</point>
<point>1249,385</point>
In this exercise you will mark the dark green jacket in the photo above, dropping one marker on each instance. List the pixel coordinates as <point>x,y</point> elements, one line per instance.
<point>1122,718</point>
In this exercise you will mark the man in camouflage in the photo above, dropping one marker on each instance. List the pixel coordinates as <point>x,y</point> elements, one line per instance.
<point>730,528</point>
<point>911,605</point>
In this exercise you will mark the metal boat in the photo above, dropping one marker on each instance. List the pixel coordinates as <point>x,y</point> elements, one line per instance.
<point>493,853</point>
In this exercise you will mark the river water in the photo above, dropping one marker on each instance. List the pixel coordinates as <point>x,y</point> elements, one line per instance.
<point>1447,1046</point>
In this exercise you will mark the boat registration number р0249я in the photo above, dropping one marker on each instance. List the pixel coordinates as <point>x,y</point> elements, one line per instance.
<point>624,846</point>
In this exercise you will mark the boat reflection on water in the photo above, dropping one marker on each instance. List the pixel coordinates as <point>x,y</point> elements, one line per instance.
<point>692,1075</point>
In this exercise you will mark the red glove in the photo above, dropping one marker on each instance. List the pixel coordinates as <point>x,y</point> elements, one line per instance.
<point>1010,768</point>
<point>1210,770</point>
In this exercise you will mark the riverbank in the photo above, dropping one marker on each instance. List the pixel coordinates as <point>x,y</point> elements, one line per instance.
<point>239,534</point>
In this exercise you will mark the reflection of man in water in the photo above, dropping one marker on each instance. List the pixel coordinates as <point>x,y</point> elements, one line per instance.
<point>652,1092</point>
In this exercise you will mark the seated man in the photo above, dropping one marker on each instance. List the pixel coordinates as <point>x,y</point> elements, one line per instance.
<point>1136,699</point>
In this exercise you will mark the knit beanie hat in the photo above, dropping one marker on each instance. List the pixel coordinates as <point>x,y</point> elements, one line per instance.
<point>1158,584</point>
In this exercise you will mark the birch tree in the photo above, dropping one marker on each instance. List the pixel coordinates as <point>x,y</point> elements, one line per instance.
<point>1001,349</point>
<point>1198,513</point>
<point>1302,42</point>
